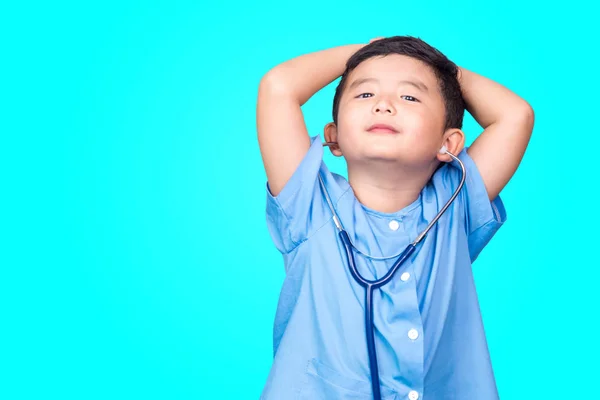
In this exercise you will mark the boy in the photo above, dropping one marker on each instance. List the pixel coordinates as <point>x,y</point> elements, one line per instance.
<point>398,102</point>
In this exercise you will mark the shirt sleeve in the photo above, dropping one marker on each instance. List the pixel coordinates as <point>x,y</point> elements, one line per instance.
<point>483,217</point>
<point>296,211</point>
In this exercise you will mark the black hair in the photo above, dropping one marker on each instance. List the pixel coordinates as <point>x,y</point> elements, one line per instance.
<point>444,69</point>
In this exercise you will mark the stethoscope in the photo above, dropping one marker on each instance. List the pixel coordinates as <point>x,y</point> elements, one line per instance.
<point>372,285</point>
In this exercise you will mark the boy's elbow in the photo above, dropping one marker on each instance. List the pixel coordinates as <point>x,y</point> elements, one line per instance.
<point>529,118</point>
<point>529,111</point>
<point>523,116</point>
<point>528,115</point>
<point>274,83</point>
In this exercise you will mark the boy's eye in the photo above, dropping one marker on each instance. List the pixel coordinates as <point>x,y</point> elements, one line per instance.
<point>367,95</point>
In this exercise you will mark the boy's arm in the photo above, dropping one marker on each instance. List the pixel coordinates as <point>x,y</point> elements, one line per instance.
<point>507,120</point>
<point>282,135</point>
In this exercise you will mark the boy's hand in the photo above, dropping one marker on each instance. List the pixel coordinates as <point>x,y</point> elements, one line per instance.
<point>282,135</point>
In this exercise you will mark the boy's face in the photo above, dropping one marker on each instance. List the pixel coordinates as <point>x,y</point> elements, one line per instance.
<point>378,92</point>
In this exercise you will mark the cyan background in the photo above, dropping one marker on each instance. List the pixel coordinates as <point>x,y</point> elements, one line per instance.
<point>135,260</point>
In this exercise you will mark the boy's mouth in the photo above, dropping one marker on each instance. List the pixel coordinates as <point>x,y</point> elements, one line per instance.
<point>382,128</point>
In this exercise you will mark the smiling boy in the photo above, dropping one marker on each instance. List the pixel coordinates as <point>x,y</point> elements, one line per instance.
<point>398,102</point>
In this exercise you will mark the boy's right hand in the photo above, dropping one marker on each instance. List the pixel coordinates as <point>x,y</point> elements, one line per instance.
<point>282,134</point>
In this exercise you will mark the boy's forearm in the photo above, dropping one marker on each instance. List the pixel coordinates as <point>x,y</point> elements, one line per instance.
<point>303,76</point>
<point>489,102</point>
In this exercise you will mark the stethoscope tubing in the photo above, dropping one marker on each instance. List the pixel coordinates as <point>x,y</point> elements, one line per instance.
<point>371,285</point>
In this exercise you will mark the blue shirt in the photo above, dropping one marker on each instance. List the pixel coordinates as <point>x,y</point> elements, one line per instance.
<point>429,334</point>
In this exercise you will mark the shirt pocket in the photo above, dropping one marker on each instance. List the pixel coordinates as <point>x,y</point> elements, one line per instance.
<point>324,383</point>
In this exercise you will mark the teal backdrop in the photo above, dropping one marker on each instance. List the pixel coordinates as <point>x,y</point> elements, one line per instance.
<point>135,259</point>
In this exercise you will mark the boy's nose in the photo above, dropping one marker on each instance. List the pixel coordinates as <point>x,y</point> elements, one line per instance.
<point>383,110</point>
<point>384,107</point>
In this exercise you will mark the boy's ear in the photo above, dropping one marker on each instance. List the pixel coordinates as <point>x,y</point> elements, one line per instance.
<point>454,140</point>
<point>331,135</point>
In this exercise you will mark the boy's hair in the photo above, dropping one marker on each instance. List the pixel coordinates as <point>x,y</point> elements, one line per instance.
<point>444,69</point>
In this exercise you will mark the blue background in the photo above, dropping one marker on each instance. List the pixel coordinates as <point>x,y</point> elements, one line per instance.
<point>135,260</point>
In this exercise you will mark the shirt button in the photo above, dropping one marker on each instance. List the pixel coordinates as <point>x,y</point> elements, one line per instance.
<point>413,335</point>
<point>405,276</point>
<point>413,395</point>
<point>394,225</point>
